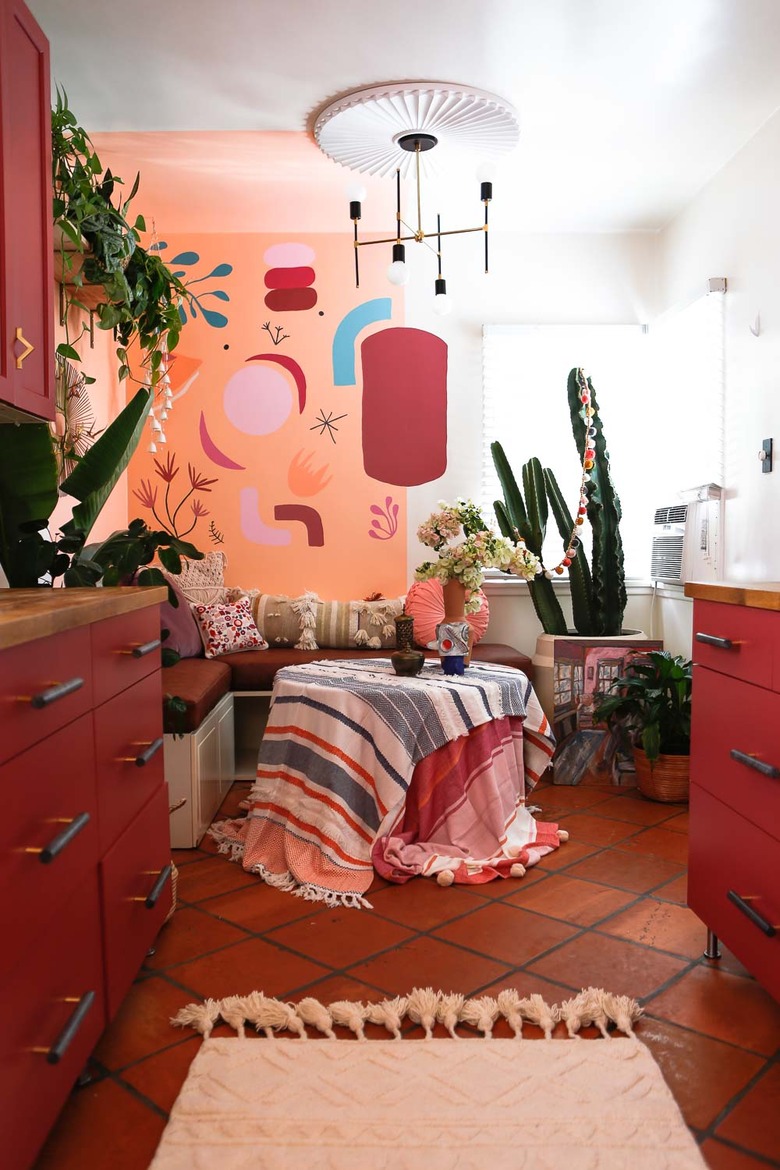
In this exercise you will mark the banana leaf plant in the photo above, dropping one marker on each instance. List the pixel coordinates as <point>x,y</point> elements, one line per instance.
<point>652,701</point>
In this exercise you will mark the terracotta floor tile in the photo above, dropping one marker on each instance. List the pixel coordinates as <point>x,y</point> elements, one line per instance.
<point>588,828</point>
<point>678,824</point>
<point>248,966</point>
<point>506,933</point>
<point>634,808</point>
<point>142,1025</point>
<point>728,961</point>
<point>615,965</point>
<point>571,899</point>
<point>568,796</point>
<point>674,891</point>
<point>214,875</point>
<point>754,1122</point>
<point>160,1077</point>
<point>662,925</point>
<point>703,1074</point>
<point>190,933</point>
<point>659,842</point>
<point>421,904</point>
<point>722,1157</point>
<point>627,871</point>
<point>186,856</point>
<point>257,907</point>
<point>340,937</point>
<point>428,962</point>
<point>102,1127</point>
<point>568,854</point>
<point>728,1007</point>
<point>502,887</point>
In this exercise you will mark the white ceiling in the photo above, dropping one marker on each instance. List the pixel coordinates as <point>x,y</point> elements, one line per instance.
<point>626,107</point>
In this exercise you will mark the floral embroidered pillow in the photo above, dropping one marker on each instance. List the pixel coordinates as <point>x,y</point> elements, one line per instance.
<point>225,629</point>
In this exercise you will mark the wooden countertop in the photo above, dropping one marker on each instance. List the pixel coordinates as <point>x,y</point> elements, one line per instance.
<point>754,594</point>
<point>27,614</point>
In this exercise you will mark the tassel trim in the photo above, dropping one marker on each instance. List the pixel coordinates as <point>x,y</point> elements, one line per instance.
<point>422,1006</point>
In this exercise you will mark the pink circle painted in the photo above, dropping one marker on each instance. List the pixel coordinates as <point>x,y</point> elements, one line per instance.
<point>258,400</point>
<point>288,255</point>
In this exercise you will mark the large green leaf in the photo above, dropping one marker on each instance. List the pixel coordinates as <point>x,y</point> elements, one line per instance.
<point>28,487</point>
<point>95,475</point>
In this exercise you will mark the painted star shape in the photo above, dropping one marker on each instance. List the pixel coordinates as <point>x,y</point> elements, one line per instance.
<point>327,423</point>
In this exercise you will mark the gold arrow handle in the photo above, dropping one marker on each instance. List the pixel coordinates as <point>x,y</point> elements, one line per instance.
<point>28,348</point>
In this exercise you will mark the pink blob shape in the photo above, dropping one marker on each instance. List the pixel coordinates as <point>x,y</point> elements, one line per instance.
<point>288,255</point>
<point>258,400</point>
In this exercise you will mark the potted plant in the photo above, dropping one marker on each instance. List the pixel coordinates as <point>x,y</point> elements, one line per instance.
<point>652,702</point>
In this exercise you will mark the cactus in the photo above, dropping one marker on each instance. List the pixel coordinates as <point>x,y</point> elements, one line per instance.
<point>598,592</point>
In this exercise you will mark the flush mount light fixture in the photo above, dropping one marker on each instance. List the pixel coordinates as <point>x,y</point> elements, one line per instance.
<point>405,128</point>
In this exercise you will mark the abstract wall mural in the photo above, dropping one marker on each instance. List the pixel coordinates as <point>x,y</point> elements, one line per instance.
<point>270,402</point>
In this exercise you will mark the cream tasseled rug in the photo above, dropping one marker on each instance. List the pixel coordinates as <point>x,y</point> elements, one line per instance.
<point>434,1104</point>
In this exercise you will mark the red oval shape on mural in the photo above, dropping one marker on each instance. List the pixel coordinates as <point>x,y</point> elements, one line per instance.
<point>291,300</point>
<point>289,277</point>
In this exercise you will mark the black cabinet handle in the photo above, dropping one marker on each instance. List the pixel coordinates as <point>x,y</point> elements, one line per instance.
<point>757,919</point>
<point>144,757</point>
<point>56,846</point>
<point>58,691</point>
<point>758,765</point>
<point>714,640</point>
<point>152,898</point>
<point>63,1041</point>
<point>146,648</point>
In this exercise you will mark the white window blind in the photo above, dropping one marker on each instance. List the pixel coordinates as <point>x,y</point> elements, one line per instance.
<point>660,392</point>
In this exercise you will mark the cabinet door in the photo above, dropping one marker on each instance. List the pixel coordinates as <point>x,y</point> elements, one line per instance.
<point>26,277</point>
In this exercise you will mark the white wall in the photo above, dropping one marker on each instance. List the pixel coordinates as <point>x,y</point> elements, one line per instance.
<point>732,229</point>
<point>538,279</point>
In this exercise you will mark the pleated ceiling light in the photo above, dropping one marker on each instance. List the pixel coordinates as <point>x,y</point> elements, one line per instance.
<point>405,128</point>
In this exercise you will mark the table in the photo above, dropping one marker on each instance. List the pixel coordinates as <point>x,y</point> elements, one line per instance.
<point>361,769</point>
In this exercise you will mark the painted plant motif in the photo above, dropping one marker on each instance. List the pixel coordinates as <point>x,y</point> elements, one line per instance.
<point>327,422</point>
<point>194,301</point>
<point>276,333</point>
<point>385,523</point>
<point>167,512</point>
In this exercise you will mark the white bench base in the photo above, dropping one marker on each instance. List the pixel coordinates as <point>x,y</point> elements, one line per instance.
<point>200,768</point>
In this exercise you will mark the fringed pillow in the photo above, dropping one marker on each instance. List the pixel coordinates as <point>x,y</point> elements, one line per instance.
<point>376,623</point>
<point>203,582</point>
<point>425,603</point>
<point>225,629</point>
<point>308,623</point>
<point>287,621</point>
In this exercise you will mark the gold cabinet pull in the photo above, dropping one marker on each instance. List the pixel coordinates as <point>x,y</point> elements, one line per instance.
<point>28,347</point>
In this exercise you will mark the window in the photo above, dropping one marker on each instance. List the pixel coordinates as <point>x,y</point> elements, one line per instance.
<point>660,396</point>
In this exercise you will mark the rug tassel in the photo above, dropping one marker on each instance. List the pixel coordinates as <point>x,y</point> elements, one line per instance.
<point>233,1011</point>
<point>509,1006</point>
<point>271,1015</point>
<point>448,1011</point>
<point>622,1010</point>
<point>350,1014</point>
<point>389,1014</point>
<point>563,834</point>
<point>536,1011</point>
<point>482,1013</point>
<point>200,1016</point>
<point>421,1008</point>
<point>312,1012</point>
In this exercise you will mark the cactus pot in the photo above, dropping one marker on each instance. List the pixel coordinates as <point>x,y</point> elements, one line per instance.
<point>568,671</point>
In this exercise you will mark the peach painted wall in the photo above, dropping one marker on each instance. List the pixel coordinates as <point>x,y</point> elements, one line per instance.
<point>249,415</point>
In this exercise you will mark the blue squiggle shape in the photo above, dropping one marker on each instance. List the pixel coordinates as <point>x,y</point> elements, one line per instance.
<point>380,309</point>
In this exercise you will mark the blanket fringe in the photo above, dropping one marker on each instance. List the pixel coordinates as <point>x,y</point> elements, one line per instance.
<point>423,1006</point>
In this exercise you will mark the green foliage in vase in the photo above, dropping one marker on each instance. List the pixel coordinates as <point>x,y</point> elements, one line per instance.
<point>652,701</point>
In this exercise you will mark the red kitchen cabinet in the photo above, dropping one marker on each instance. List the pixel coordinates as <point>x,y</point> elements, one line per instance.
<point>85,843</point>
<point>734,838</point>
<point>26,266</point>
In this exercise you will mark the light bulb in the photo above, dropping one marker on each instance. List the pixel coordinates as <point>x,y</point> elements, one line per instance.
<point>486,172</point>
<point>398,273</point>
<point>441,304</point>
<point>356,192</point>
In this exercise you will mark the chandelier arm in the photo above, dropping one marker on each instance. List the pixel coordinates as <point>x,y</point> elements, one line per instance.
<point>419,200</point>
<point>486,237</point>
<point>357,263</point>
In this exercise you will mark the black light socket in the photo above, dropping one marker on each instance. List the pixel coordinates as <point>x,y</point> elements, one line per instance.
<point>440,287</point>
<point>399,253</point>
<point>486,192</point>
<point>354,209</point>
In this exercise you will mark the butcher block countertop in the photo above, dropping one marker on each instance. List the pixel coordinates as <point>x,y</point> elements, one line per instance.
<point>27,614</point>
<point>756,595</point>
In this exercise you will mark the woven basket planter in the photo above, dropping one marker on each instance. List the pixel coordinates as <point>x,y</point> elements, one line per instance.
<point>668,780</point>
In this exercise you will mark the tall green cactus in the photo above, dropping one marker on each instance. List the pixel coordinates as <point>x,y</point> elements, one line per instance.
<point>598,592</point>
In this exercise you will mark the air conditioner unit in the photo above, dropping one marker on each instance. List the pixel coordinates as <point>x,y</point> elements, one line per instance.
<point>686,541</point>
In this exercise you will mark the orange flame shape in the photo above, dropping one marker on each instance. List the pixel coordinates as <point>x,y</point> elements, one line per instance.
<point>303,479</point>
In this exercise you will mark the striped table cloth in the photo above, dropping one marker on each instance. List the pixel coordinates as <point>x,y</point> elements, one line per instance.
<point>346,739</point>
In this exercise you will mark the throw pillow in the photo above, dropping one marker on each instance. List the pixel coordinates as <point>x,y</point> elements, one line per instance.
<point>308,623</point>
<point>225,629</point>
<point>425,603</point>
<point>203,582</point>
<point>376,622</point>
<point>183,631</point>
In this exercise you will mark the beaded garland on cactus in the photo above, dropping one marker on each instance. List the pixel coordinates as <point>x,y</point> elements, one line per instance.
<point>587,414</point>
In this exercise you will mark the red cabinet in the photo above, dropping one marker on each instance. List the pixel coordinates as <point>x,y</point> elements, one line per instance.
<point>735,780</point>
<point>26,277</point>
<point>84,849</point>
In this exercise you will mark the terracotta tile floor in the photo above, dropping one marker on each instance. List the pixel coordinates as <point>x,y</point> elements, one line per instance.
<point>607,908</point>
